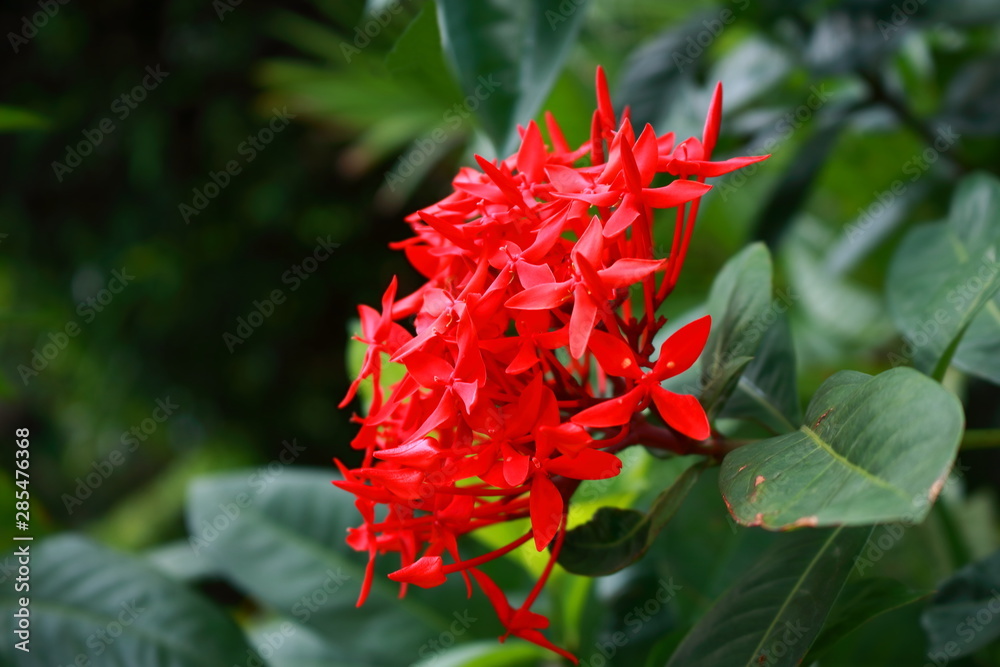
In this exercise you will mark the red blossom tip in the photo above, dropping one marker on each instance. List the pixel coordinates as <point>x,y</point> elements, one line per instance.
<point>426,572</point>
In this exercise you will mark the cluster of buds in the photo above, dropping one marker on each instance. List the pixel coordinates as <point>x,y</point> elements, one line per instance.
<point>531,359</point>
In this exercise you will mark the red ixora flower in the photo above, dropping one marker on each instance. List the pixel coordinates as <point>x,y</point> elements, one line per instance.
<point>531,359</point>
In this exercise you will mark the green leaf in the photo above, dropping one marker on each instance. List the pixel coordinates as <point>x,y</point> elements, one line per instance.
<point>739,298</point>
<point>112,609</point>
<point>774,613</point>
<point>767,390</point>
<point>488,653</point>
<point>860,602</point>
<point>954,621</point>
<point>417,53</point>
<point>507,56</point>
<point>872,449</point>
<point>943,284</point>
<point>288,644</point>
<point>14,119</point>
<point>615,538</point>
<point>280,538</point>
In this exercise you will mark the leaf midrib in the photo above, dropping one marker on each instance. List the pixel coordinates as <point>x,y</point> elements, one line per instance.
<point>798,584</point>
<point>850,465</point>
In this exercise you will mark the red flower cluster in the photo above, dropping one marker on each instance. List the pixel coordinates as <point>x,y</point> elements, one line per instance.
<point>531,361</point>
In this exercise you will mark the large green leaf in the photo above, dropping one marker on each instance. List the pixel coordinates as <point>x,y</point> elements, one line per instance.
<point>417,53</point>
<point>287,644</point>
<point>115,611</point>
<point>738,301</point>
<point>774,613</point>
<point>280,537</point>
<point>872,449</point>
<point>507,56</point>
<point>943,283</point>
<point>961,618</point>
<point>615,538</point>
<point>860,602</point>
<point>767,391</point>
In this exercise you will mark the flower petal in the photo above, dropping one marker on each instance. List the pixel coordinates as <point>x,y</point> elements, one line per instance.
<point>679,352</point>
<point>425,572</point>
<point>540,297</point>
<point>581,322</point>
<point>587,464</point>
<point>614,355</point>
<point>546,507</point>
<point>612,412</point>
<point>682,412</point>
<point>679,192</point>
<point>626,272</point>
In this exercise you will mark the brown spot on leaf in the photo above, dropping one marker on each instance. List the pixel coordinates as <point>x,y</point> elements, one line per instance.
<point>821,418</point>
